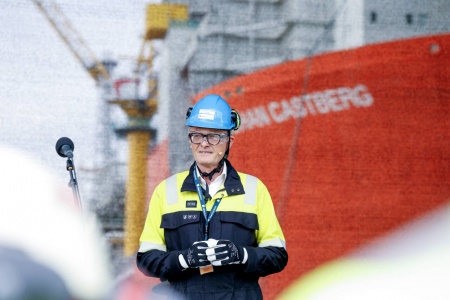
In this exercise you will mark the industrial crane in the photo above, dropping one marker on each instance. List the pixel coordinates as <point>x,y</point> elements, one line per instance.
<point>74,41</point>
<point>139,111</point>
<point>102,175</point>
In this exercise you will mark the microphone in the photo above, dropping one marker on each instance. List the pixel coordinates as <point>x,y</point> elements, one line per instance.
<point>64,147</point>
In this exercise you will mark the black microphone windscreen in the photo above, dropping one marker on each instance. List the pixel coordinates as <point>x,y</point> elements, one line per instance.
<point>61,142</point>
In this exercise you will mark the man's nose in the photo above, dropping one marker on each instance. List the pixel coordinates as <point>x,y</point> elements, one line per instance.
<point>204,141</point>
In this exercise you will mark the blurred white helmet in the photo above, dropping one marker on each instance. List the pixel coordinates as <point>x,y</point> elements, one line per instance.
<point>38,217</point>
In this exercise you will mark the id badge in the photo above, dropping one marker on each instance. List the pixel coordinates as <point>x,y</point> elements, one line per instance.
<point>206,269</point>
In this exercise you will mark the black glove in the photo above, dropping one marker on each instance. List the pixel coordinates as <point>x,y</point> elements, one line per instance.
<point>194,256</point>
<point>226,252</point>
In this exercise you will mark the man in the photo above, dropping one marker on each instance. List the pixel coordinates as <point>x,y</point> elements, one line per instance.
<point>212,231</point>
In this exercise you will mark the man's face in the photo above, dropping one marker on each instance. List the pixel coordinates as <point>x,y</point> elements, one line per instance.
<point>208,154</point>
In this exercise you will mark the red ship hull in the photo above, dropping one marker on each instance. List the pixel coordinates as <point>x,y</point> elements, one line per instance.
<point>351,144</point>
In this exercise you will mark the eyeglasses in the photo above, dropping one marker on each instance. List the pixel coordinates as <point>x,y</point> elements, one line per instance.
<point>212,138</point>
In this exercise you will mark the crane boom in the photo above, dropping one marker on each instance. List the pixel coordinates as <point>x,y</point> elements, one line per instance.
<point>73,40</point>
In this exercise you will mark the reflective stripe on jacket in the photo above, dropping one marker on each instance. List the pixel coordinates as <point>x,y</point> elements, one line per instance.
<point>245,216</point>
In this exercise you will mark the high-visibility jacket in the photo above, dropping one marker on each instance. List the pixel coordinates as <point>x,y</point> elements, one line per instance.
<point>245,216</point>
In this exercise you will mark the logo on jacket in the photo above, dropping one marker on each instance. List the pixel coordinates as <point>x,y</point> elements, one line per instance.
<point>191,203</point>
<point>189,217</point>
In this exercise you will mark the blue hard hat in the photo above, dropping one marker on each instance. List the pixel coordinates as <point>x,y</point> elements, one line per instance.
<point>213,111</point>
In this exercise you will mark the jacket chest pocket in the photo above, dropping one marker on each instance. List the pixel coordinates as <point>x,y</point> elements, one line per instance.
<point>238,227</point>
<point>181,229</point>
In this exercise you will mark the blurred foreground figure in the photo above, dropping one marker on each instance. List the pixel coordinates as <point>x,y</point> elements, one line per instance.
<point>48,249</point>
<point>410,263</point>
<point>23,278</point>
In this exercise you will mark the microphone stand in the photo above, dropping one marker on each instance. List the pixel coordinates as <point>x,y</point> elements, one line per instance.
<point>73,183</point>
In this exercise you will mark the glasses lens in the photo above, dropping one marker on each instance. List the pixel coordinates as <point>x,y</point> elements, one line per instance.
<point>213,138</point>
<point>196,138</point>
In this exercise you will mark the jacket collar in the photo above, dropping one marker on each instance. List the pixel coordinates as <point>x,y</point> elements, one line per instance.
<point>233,184</point>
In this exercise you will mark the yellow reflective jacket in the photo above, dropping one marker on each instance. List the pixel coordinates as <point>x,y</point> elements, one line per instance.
<point>245,216</point>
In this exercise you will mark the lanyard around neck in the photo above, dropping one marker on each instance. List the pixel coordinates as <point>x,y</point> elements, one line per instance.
<point>207,216</point>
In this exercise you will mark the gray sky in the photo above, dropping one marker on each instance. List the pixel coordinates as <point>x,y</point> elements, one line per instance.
<point>45,93</point>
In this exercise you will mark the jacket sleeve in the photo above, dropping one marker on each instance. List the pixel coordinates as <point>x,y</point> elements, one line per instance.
<point>161,264</point>
<point>153,259</point>
<point>264,261</point>
<point>270,256</point>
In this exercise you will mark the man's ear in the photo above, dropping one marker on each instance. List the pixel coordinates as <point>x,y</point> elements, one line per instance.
<point>231,140</point>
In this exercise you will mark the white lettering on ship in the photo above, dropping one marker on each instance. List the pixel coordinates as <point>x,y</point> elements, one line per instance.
<point>320,102</point>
